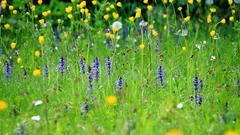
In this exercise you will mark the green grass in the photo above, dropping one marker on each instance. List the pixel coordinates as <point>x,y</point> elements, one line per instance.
<point>145,107</point>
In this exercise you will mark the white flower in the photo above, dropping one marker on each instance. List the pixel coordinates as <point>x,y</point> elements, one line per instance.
<point>204,42</point>
<point>118,37</point>
<point>180,106</point>
<point>212,58</point>
<point>37,103</point>
<point>117,45</point>
<point>36,118</point>
<point>143,23</point>
<point>198,46</point>
<point>117,24</point>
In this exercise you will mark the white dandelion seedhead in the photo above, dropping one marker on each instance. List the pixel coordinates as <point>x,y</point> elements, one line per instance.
<point>212,58</point>
<point>37,102</point>
<point>180,106</point>
<point>36,118</point>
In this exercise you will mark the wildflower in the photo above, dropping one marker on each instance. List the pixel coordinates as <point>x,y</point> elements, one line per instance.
<point>198,99</point>
<point>45,13</point>
<point>13,45</point>
<point>184,48</point>
<point>165,1</point>
<point>138,13</point>
<point>231,132</point>
<point>37,53</point>
<point>3,105</point>
<point>19,60</point>
<point>213,10</point>
<point>187,19</point>
<point>8,70</point>
<point>212,58</point>
<point>10,7</point>
<point>231,18</point>
<point>39,2</point>
<point>85,108</point>
<point>14,12</point>
<point>230,2</point>
<point>119,4</point>
<point>37,103</point>
<point>68,9</point>
<point>117,25</point>
<point>195,83</point>
<point>174,132</point>
<point>46,70</point>
<point>155,33</point>
<point>70,16</point>
<point>7,26</point>
<point>90,79</point>
<point>33,7</point>
<point>212,33</point>
<point>190,1</point>
<point>180,9</point>
<point>209,19</point>
<point>96,71</point>
<point>108,65</point>
<point>82,4</point>
<point>119,84</point>
<point>57,35</point>
<point>180,105</point>
<point>151,26</point>
<point>201,84</point>
<point>115,15</point>
<point>106,17</point>
<point>41,40</point>
<point>171,1</point>
<point>223,21</point>
<point>112,6</point>
<point>94,2</point>
<point>145,1</point>
<point>36,118</point>
<point>62,65</point>
<point>37,72</point>
<point>234,11</point>
<point>165,16</point>
<point>111,100</point>
<point>142,46</point>
<point>41,21</point>
<point>150,8</point>
<point>131,19</point>
<point>160,75</point>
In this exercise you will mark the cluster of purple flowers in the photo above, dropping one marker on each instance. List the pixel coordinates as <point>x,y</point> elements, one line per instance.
<point>8,70</point>
<point>108,65</point>
<point>198,85</point>
<point>62,65</point>
<point>160,76</point>
<point>96,71</point>
<point>119,84</point>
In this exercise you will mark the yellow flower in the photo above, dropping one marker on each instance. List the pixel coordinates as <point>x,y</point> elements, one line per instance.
<point>68,9</point>
<point>155,33</point>
<point>19,60</point>
<point>33,7</point>
<point>165,1</point>
<point>165,27</point>
<point>223,21</point>
<point>14,12</point>
<point>115,15</point>
<point>106,17</point>
<point>112,6</point>
<point>37,53</point>
<point>190,1</point>
<point>142,46</point>
<point>39,2</point>
<point>209,19</point>
<point>41,39</point>
<point>165,16</point>
<point>35,16</point>
<point>151,26</point>
<point>232,132</point>
<point>233,11</point>
<point>230,2</point>
<point>114,29</point>
<point>184,48</point>
<point>171,1</point>
<point>213,10</point>
<point>10,7</point>
<point>70,16</point>
<point>41,21</point>
<point>13,45</point>
<point>82,4</point>
<point>111,100</point>
<point>149,7</point>
<point>3,105</point>
<point>49,12</point>
<point>138,10</point>
<point>174,132</point>
<point>94,2</point>
<point>45,13</point>
<point>212,33</point>
<point>138,15</point>
<point>231,18</point>
<point>131,19</point>
<point>37,72</point>
<point>187,19</point>
<point>7,26</point>
<point>119,4</point>
<point>72,1</point>
<point>145,1</point>
<point>180,9</point>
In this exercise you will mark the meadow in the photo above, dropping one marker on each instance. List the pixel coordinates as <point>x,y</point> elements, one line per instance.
<point>93,68</point>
